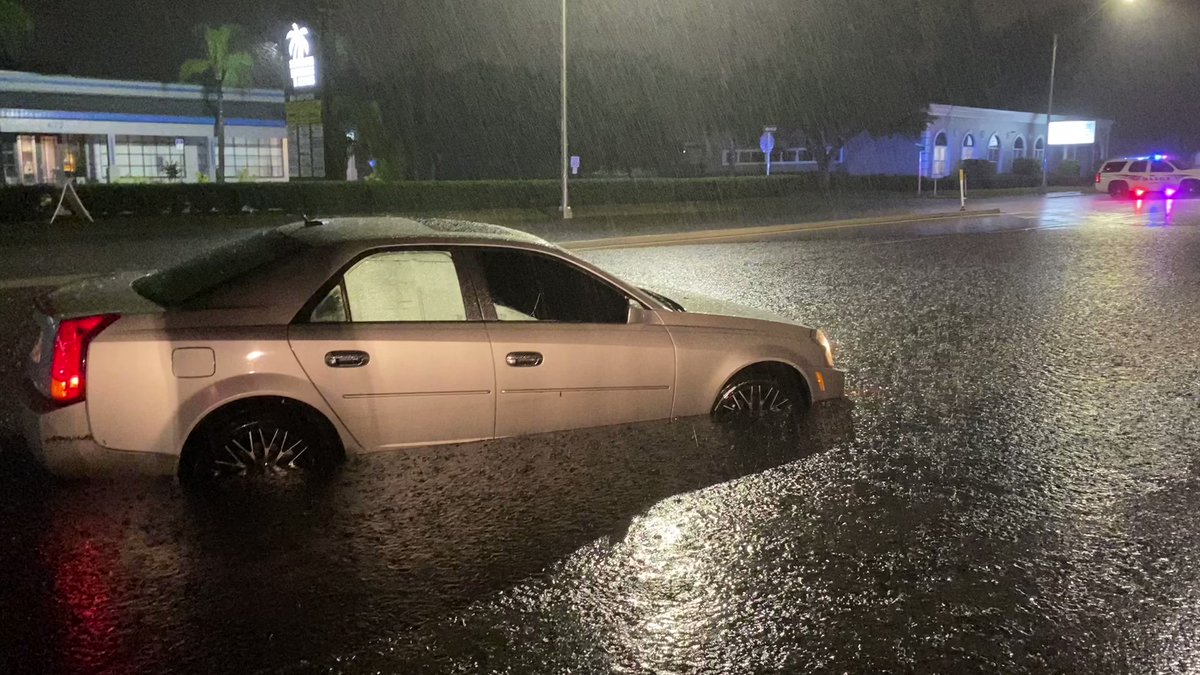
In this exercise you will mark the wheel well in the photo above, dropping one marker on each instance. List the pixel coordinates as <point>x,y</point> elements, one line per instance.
<point>782,371</point>
<point>308,413</point>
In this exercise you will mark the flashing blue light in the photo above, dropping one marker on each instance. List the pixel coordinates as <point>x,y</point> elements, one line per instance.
<point>371,163</point>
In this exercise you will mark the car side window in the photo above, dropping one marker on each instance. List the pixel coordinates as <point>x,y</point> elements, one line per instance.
<point>528,286</point>
<point>1113,167</point>
<point>1161,167</point>
<point>396,286</point>
<point>1138,166</point>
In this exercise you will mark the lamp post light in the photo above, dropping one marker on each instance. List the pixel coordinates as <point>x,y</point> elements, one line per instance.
<point>566,202</point>
<point>1050,105</point>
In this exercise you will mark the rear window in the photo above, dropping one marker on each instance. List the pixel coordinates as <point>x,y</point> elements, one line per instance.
<point>1113,167</point>
<point>1139,166</point>
<point>177,285</point>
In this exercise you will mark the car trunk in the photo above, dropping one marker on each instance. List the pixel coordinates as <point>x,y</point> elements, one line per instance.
<point>88,297</point>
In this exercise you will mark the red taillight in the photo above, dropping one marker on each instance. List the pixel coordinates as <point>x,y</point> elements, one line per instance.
<point>70,355</point>
<point>1097,178</point>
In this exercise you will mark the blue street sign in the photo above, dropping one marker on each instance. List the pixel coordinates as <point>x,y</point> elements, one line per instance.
<point>767,142</point>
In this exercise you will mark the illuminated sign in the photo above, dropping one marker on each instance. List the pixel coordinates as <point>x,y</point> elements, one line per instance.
<point>1072,133</point>
<point>302,64</point>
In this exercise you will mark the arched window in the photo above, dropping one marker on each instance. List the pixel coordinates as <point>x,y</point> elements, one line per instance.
<point>968,150</point>
<point>939,154</point>
<point>1018,148</point>
<point>994,150</point>
<point>1039,149</point>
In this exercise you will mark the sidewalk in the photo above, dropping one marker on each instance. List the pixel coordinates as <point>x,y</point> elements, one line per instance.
<point>636,220</point>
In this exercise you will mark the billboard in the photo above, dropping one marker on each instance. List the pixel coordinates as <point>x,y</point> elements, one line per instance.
<point>1073,133</point>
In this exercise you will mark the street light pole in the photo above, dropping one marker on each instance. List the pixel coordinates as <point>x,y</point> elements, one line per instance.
<point>566,204</point>
<point>1049,115</point>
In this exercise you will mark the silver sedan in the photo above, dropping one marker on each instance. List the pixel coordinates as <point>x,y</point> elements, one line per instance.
<point>285,351</point>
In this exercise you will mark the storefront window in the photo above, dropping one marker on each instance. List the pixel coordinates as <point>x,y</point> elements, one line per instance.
<point>152,158</point>
<point>8,159</point>
<point>254,158</point>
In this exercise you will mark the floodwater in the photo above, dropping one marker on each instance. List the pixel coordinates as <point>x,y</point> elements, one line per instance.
<point>1011,487</point>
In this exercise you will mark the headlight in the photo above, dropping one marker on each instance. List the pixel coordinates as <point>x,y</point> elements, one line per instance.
<point>821,339</point>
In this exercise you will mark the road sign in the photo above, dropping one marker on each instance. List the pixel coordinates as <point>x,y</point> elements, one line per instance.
<point>767,143</point>
<point>574,165</point>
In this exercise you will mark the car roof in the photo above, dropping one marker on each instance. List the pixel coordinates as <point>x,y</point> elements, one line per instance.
<point>342,231</point>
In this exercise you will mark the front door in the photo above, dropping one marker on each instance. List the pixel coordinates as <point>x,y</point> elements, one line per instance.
<point>566,354</point>
<point>397,350</point>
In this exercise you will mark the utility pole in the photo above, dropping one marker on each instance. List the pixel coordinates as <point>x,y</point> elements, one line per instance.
<point>1049,115</point>
<point>566,202</point>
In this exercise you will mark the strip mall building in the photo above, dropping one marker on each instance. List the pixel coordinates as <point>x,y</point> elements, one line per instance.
<point>56,127</point>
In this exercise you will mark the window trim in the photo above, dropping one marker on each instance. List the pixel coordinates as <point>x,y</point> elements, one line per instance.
<point>484,293</point>
<point>471,300</point>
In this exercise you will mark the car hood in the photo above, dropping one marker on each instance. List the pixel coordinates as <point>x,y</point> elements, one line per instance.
<point>702,306</point>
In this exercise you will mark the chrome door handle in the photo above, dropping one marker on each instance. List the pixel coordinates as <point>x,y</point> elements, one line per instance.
<point>347,359</point>
<point>523,359</point>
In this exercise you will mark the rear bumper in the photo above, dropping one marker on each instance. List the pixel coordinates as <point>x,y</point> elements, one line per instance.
<point>60,438</point>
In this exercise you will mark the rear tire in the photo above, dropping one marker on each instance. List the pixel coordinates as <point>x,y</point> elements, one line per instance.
<point>258,441</point>
<point>1118,189</point>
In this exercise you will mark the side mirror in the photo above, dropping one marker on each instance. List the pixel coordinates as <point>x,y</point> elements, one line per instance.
<point>638,315</point>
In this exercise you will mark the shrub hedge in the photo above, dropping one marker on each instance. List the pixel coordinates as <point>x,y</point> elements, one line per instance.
<point>31,203</point>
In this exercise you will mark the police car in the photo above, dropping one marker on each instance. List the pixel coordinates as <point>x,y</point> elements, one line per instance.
<point>1139,176</point>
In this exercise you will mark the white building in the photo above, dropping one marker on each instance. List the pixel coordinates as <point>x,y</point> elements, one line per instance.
<point>954,134</point>
<point>121,131</point>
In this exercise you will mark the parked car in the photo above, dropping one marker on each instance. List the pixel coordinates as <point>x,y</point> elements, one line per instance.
<point>1140,176</point>
<point>286,350</point>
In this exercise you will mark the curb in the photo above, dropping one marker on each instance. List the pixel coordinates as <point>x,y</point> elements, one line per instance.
<point>735,233</point>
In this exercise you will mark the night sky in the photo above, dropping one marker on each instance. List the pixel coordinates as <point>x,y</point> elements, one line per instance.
<point>1134,62</point>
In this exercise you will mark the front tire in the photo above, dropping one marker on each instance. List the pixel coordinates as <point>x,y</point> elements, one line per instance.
<point>257,441</point>
<point>760,398</point>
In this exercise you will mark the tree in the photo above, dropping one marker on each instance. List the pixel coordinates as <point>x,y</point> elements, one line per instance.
<point>846,67</point>
<point>221,67</point>
<point>15,28</point>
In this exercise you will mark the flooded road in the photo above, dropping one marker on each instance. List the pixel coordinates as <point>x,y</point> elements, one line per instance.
<point>1012,487</point>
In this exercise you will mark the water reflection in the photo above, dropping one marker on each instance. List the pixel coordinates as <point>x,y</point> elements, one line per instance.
<point>1158,212</point>
<point>244,580</point>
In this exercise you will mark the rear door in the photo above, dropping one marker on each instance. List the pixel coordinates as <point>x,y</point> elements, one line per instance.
<point>1162,176</point>
<point>566,352</point>
<point>397,349</point>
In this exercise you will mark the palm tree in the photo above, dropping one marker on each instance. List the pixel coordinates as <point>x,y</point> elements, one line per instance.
<point>221,67</point>
<point>15,28</point>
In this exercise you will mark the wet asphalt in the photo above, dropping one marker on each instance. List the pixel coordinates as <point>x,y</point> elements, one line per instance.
<point>1012,486</point>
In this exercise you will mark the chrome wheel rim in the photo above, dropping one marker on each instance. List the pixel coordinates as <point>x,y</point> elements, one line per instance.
<point>260,451</point>
<point>754,400</point>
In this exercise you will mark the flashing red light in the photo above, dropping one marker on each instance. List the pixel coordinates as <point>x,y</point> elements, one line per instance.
<point>70,355</point>
<point>1139,192</point>
<point>1098,178</point>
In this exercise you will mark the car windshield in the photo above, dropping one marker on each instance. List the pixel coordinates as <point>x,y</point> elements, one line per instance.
<point>176,285</point>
